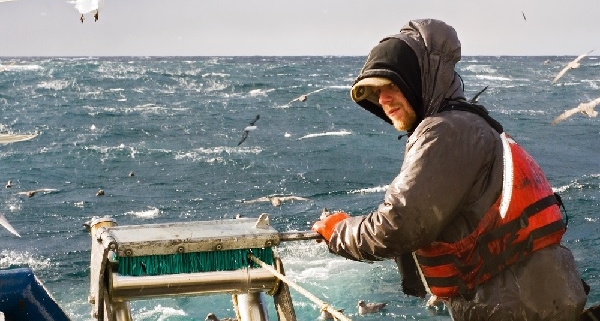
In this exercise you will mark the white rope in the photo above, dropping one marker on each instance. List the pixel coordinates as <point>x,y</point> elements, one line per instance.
<point>310,296</point>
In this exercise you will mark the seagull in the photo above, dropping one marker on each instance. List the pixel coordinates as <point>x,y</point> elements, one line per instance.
<point>571,65</point>
<point>248,129</point>
<point>524,18</point>
<point>87,6</point>
<point>213,317</point>
<point>364,308</point>
<point>4,222</point>
<point>32,193</point>
<point>584,108</point>
<point>325,315</point>
<point>8,184</point>
<point>474,99</point>
<point>305,96</point>
<point>276,200</point>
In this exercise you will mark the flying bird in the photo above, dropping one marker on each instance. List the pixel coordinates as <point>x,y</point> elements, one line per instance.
<point>87,6</point>
<point>32,193</point>
<point>305,96</point>
<point>6,138</point>
<point>364,308</point>
<point>276,200</point>
<point>524,18</point>
<point>248,129</point>
<point>571,65</point>
<point>4,222</point>
<point>584,108</point>
<point>475,98</point>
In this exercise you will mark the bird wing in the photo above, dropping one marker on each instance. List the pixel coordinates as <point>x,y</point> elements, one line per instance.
<point>255,119</point>
<point>582,56</point>
<point>474,99</point>
<point>561,73</point>
<point>85,6</point>
<point>293,198</point>
<point>13,138</point>
<point>304,96</point>
<point>4,222</point>
<point>314,91</point>
<point>260,199</point>
<point>244,136</point>
<point>566,114</point>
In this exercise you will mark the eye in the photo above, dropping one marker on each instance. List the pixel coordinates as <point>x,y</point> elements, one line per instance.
<point>376,90</point>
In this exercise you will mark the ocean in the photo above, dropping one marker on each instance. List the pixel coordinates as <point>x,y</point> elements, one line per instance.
<point>175,122</point>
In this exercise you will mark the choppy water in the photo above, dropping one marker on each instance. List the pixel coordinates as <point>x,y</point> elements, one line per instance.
<point>176,122</point>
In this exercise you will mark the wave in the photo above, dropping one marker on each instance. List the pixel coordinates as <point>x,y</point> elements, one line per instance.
<point>152,212</point>
<point>377,189</point>
<point>159,312</point>
<point>19,67</point>
<point>10,259</point>
<point>337,133</point>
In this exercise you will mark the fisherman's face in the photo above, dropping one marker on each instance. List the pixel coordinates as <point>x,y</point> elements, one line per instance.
<point>396,107</point>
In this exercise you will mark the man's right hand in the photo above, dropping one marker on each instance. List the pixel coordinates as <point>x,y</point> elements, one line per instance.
<point>326,226</point>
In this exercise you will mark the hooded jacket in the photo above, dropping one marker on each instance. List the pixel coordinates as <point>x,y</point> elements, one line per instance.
<point>451,175</point>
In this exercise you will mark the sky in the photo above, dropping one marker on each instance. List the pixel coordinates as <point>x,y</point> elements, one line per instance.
<point>291,28</point>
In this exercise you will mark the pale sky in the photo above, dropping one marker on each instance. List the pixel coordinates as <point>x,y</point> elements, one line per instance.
<point>291,28</point>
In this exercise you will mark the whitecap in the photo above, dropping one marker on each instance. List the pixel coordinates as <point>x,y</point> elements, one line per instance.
<point>377,189</point>
<point>152,212</point>
<point>163,313</point>
<point>337,133</point>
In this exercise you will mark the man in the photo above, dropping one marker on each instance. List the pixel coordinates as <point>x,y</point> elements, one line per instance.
<point>471,217</point>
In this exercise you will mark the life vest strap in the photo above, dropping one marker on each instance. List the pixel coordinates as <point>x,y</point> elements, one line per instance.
<point>521,222</point>
<point>513,253</point>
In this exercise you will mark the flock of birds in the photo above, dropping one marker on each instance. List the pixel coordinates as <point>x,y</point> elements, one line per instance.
<point>585,108</point>
<point>89,6</point>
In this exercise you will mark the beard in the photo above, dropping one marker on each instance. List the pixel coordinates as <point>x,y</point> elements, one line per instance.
<point>405,123</point>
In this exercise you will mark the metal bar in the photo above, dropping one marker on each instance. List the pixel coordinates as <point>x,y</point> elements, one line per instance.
<point>252,307</point>
<point>125,288</point>
<point>299,236</point>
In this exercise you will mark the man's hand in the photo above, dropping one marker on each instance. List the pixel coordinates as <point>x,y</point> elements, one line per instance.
<point>325,226</point>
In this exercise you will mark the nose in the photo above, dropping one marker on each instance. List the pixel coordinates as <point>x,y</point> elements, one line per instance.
<point>385,96</point>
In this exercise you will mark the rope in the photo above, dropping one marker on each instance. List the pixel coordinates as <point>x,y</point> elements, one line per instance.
<point>310,296</point>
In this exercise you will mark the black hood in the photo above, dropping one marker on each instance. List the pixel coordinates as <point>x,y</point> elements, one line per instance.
<point>421,61</point>
<point>395,60</point>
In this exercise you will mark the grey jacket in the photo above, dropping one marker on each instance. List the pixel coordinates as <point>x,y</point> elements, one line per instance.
<point>450,177</point>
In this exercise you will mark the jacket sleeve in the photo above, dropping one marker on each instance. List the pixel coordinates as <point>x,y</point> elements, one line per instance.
<point>443,160</point>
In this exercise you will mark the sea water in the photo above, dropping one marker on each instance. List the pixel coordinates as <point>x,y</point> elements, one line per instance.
<point>175,122</point>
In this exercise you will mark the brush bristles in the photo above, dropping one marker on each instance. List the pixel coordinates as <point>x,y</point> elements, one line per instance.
<point>227,260</point>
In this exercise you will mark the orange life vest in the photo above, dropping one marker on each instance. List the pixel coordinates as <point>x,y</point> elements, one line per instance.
<point>521,221</point>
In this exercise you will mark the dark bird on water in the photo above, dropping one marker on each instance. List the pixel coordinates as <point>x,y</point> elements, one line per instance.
<point>248,129</point>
